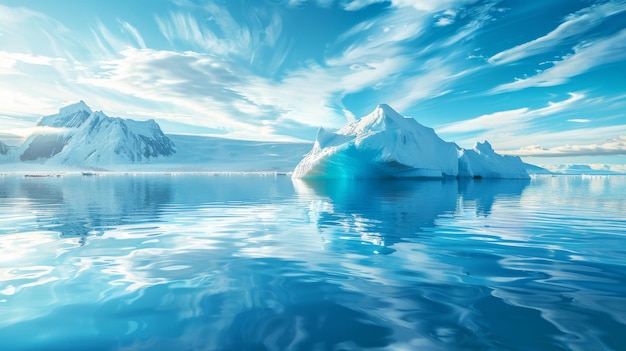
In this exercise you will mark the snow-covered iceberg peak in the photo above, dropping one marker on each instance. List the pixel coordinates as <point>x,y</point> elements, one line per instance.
<point>483,162</point>
<point>382,144</point>
<point>382,118</point>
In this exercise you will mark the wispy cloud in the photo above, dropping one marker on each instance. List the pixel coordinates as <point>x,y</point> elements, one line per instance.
<point>422,5</point>
<point>356,5</point>
<point>188,79</point>
<point>133,32</point>
<point>573,25</point>
<point>427,5</point>
<point>586,57</point>
<point>510,120</point>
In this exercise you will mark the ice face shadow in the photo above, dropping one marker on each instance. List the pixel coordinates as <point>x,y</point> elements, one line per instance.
<point>385,212</point>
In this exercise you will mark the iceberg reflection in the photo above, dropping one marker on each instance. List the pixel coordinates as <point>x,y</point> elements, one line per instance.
<point>385,212</point>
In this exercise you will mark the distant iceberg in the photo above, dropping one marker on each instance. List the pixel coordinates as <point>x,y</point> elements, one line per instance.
<point>385,144</point>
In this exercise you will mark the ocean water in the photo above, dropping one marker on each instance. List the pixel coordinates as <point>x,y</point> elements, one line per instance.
<point>253,262</point>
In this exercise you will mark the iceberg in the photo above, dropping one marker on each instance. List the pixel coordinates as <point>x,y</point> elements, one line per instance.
<point>385,144</point>
<point>483,162</point>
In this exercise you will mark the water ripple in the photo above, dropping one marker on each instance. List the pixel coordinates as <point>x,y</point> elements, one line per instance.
<point>248,262</point>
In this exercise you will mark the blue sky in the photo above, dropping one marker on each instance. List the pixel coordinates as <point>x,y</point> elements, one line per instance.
<point>542,79</point>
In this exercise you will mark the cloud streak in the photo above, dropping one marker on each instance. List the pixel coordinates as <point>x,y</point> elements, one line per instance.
<point>586,57</point>
<point>574,25</point>
<point>510,120</point>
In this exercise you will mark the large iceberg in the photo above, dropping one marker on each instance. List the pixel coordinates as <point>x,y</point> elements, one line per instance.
<point>385,144</point>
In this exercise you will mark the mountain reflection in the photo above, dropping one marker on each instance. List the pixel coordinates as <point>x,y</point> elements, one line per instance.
<point>387,212</point>
<point>79,206</point>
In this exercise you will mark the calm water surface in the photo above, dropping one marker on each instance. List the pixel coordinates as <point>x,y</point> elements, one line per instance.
<point>202,262</point>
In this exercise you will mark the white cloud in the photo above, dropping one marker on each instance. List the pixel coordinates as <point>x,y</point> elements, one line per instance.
<point>553,139</point>
<point>9,61</point>
<point>586,57</point>
<point>444,21</point>
<point>427,5</point>
<point>192,81</point>
<point>614,146</point>
<point>356,5</point>
<point>27,31</point>
<point>575,24</point>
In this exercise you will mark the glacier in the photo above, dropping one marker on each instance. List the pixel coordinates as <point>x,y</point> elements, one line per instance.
<point>385,144</point>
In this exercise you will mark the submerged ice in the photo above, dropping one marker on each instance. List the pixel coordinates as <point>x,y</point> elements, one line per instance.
<point>385,144</point>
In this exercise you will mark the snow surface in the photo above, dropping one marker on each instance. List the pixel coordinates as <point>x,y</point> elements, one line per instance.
<point>385,144</point>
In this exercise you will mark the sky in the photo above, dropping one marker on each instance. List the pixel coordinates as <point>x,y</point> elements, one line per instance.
<point>545,80</point>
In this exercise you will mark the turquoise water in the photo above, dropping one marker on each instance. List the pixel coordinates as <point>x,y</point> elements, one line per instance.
<point>204,262</point>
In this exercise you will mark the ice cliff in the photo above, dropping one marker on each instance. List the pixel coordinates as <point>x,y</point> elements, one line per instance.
<point>78,136</point>
<point>385,144</point>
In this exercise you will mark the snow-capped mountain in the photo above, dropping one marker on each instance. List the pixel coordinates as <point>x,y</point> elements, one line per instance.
<point>385,144</point>
<point>77,136</point>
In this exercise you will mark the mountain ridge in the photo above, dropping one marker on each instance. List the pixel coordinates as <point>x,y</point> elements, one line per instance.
<point>80,137</point>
